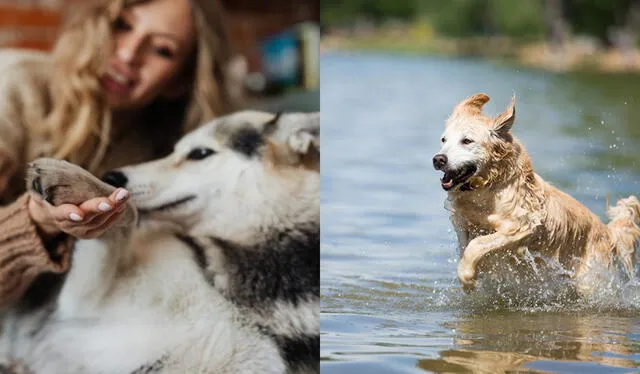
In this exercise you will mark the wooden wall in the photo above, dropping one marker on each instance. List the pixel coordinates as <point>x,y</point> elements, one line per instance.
<point>35,23</point>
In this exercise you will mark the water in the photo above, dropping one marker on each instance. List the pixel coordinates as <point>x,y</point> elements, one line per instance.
<point>391,302</point>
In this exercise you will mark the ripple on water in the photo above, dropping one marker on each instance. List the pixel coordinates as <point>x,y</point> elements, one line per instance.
<point>507,324</point>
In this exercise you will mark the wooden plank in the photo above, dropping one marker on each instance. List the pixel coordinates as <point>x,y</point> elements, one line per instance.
<point>12,16</point>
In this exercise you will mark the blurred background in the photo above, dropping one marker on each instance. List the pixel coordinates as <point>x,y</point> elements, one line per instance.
<point>276,44</point>
<point>392,72</point>
<point>554,34</point>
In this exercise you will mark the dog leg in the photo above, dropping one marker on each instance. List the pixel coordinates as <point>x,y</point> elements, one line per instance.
<point>625,232</point>
<point>462,232</point>
<point>95,261</point>
<point>463,239</point>
<point>480,247</point>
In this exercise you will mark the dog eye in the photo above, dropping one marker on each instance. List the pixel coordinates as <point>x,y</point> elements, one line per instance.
<point>200,153</point>
<point>466,141</point>
<point>443,140</point>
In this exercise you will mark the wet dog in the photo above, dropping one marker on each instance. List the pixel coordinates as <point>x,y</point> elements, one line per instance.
<point>501,206</point>
<point>215,269</point>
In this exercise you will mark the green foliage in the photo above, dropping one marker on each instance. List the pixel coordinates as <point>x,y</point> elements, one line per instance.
<point>343,11</point>
<point>596,17</point>
<point>458,17</point>
<point>520,19</point>
<point>338,12</point>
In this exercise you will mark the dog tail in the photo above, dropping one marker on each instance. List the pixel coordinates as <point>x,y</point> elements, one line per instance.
<point>624,230</point>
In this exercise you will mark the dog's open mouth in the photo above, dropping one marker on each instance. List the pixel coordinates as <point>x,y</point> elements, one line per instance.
<point>167,206</point>
<point>453,178</point>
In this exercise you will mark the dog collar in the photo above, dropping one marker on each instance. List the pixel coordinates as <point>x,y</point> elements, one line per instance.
<point>466,187</point>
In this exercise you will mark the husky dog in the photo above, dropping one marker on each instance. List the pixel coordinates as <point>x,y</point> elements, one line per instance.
<point>214,270</point>
<point>500,205</point>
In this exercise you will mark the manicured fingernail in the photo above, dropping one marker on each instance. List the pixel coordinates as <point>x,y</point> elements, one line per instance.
<point>121,195</point>
<point>75,217</point>
<point>104,207</point>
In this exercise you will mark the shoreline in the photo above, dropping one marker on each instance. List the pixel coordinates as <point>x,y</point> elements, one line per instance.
<point>577,56</point>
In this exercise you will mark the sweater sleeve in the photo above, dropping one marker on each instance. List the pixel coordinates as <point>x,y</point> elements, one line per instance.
<point>24,102</point>
<point>23,254</point>
<point>12,126</point>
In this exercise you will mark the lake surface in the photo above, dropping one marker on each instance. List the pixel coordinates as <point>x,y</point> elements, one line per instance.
<point>391,301</point>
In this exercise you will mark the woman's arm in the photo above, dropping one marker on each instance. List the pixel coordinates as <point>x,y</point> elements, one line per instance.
<point>35,237</point>
<point>23,254</point>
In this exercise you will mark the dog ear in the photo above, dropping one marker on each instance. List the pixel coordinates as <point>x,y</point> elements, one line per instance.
<point>272,125</point>
<point>472,105</point>
<point>296,140</point>
<point>503,121</point>
<point>305,142</point>
<point>307,136</point>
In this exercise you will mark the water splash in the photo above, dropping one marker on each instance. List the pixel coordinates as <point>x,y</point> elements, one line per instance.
<point>546,286</point>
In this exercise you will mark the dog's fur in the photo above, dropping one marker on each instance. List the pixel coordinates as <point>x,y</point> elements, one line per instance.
<point>214,270</point>
<point>500,205</point>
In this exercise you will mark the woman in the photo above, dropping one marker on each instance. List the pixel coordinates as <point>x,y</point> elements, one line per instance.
<point>125,80</point>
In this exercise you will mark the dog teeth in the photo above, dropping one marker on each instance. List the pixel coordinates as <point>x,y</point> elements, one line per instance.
<point>447,182</point>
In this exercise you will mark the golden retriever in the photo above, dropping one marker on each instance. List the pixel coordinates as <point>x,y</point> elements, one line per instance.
<point>501,206</point>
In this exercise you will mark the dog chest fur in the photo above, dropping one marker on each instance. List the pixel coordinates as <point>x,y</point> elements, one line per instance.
<point>159,299</point>
<point>275,282</point>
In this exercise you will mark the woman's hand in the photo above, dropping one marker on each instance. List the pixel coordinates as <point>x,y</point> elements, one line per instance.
<point>86,221</point>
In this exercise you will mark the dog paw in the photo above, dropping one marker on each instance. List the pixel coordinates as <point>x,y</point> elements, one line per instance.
<point>60,182</point>
<point>467,277</point>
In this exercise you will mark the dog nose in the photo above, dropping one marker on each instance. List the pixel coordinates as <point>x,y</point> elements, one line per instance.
<point>439,161</point>
<point>115,178</point>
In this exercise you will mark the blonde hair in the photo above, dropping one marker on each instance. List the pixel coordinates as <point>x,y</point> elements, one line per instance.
<point>79,123</point>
